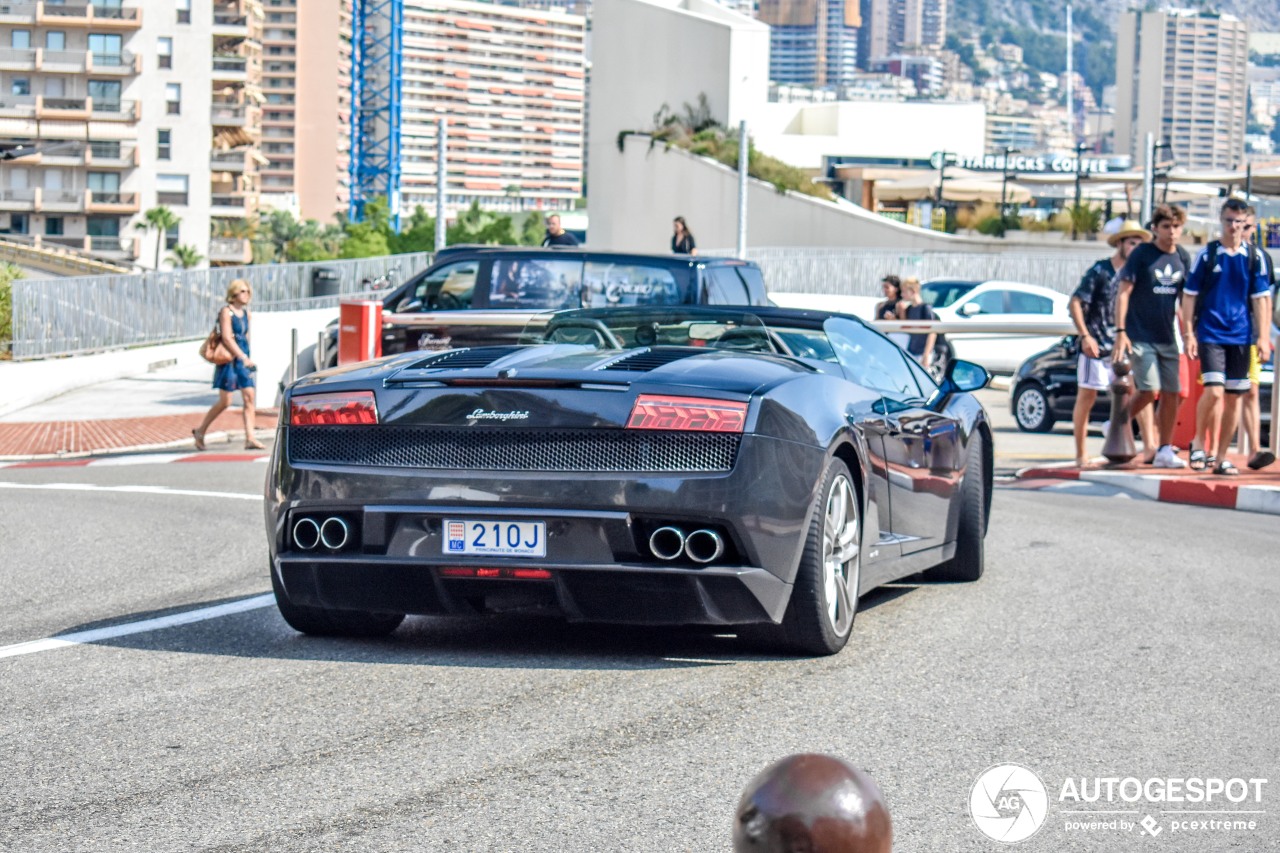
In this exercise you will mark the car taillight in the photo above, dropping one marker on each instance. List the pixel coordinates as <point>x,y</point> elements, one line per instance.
<point>503,573</point>
<point>351,407</point>
<point>695,414</point>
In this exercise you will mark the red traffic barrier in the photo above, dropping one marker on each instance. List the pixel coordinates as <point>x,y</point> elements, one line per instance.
<point>359,331</point>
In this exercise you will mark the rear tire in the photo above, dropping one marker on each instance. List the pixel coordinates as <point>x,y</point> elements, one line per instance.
<point>323,622</point>
<point>824,600</point>
<point>1031,409</point>
<point>969,561</point>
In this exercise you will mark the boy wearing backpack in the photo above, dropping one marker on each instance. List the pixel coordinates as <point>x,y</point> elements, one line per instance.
<point>1224,307</point>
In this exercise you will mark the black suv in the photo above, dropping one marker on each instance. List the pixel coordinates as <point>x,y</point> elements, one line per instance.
<point>484,295</point>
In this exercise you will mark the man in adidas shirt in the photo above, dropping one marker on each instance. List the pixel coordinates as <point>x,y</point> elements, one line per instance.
<point>1146,304</point>
<point>1228,282</point>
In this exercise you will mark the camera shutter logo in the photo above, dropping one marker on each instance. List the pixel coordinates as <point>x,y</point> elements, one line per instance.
<point>1008,803</point>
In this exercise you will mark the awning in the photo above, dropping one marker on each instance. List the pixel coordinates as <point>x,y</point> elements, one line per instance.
<point>963,188</point>
<point>231,137</point>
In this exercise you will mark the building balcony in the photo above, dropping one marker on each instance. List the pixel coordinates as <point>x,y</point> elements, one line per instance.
<point>17,13</point>
<point>61,201</point>
<point>233,115</point>
<point>19,59</point>
<point>111,202</point>
<point>230,204</point>
<point>115,248</point>
<point>229,161</point>
<point>18,200</point>
<point>97,17</point>
<point>114,110</point>
<point>111,155</point>
<point>230,24</point>
<point>231,69</point>
<point>66,109</point>
<point>230,250</point>
<point>123,64</point>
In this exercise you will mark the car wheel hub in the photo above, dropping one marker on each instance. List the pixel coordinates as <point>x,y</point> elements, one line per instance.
<point>1031,408</point>
<point>841,554</point>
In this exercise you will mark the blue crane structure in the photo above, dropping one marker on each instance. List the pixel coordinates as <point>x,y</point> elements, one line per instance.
<point>377,72</point>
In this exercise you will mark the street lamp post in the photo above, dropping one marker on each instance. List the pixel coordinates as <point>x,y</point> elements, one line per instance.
<point>1080,149</point>
<point>1004,185</point>
<point>942,158</point>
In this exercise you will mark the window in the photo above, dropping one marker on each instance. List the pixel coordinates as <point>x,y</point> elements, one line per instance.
<point>1029,303</point>
<point>448,288</point>
<point>535,283</point>
<point>171,237</point>
<point>171,189</point>
<point>106,49</point>
<point>55,40</point>
<point>20,39</point>
<point>104,183</point>
<point>173,98</point>
<point>871,360</point>
<point>53,226</point>
<point>105,150</point>
<point>723,287</point>
<point>18,223</point>
<point>609,284</point>
<point>164,52</point>
<point>20,86</point>
<point>103,226</point>
<point>163,140</point>
<point>105,95</point>
<point>991,302</point>
<point>183,8</point>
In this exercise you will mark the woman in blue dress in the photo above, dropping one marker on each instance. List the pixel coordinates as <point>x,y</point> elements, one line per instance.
<point>238,375</point>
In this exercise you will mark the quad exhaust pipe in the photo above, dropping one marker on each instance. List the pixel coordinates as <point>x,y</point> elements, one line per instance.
<point>701,546</point>
<point>333,533</point>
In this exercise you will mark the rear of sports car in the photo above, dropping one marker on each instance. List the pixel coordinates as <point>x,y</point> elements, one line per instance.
<point>644,486</point>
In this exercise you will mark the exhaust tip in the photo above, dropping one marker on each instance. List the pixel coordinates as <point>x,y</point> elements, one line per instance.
<point>306,534</point>
<point>704,546</point>
<point>667,543</point>
<point>334,533</point>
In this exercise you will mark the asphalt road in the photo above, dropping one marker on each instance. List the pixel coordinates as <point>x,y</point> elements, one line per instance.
<point>1109,638</point>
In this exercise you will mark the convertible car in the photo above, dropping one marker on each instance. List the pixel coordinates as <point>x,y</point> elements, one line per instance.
<point>660,465</point>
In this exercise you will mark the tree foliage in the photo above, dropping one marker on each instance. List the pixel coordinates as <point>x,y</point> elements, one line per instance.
<point>161,219</point>
<point>185,256</point>
<point>9,273</point>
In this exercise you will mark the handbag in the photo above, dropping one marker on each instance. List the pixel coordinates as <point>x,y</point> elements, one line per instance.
<point>213,350</point>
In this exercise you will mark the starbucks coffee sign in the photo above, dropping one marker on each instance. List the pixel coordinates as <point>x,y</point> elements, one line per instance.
<point>1025,163</point>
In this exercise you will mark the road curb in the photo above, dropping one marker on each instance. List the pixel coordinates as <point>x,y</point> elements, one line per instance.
<point>1220,493</point>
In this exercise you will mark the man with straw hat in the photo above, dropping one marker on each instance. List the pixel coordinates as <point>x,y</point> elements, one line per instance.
<point>1092,309</point>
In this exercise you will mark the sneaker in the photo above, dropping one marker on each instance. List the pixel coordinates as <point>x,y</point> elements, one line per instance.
<point>1166,458</point>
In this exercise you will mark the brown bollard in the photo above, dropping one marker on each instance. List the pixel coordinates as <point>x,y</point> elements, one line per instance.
<point>1118,447</point>
<point>812,803</point>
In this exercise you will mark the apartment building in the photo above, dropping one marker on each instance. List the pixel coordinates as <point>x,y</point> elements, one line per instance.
<point>812,43</point>
<point>306,84</point>
<point>901,26</point>
<point>129,106</point>
<point>510,82</point>
<point>1181,76</point>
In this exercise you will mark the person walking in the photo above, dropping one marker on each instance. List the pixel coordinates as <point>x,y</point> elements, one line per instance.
<point>1228,282</point>
<point>1092,309</point>
<point>913,307</point>
<point>891,288</point>
<point>239,374</point>
<point>682,242</point>
<point>557,236</point>
<point>1250,408</point>
<point>1146,305</point>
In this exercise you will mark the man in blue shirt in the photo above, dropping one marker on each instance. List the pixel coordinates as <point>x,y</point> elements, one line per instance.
<point>1228,282</point>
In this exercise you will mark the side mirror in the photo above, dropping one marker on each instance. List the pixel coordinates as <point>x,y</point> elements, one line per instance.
<point>969,309</point>
<point>965,376</point>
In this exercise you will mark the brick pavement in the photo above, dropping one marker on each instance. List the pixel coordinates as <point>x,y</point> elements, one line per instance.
<point>89,437</point>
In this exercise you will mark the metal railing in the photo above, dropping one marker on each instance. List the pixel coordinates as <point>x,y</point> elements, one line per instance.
<point>857,272</point>
<point>75,315</point>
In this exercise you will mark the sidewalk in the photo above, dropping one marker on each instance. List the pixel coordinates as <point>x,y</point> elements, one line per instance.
<point>1251,491</point>
<point>153,411</point>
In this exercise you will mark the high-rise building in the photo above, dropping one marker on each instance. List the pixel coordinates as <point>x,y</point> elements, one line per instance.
<point>900,26</point>
<point>128,107</point>
<point>306,84</point>
<point>1181,77</point>
<point>510,83</point>
<point>812,42</point>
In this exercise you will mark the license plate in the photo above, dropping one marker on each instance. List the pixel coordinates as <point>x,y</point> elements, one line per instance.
<point>495,538</point>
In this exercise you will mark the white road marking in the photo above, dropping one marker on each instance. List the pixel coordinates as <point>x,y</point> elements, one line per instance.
<point>98,634</point>
<point>697,660</point>
<point>141,490</point>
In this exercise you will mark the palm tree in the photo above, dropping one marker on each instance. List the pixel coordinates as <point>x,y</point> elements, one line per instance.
<point>185,256</point>
<point>162,219</point>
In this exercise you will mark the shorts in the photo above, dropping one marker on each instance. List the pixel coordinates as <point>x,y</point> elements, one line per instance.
<point>1226,365</point>
<point>1094,373</point>
<point>1155,367</point>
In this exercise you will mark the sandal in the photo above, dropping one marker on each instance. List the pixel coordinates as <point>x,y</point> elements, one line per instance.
<point>1198,460</point>
<point>198,435</point>
<point>1261,460</point>
<point>1226,468</point>
<point>254,444</point>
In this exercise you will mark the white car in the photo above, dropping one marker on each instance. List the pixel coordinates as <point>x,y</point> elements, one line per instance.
<point>1008,302</point>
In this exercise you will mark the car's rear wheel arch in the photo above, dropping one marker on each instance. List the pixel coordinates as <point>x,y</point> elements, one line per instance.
<point>847,454</point>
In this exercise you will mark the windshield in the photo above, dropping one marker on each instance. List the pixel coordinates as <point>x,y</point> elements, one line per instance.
<point>940,294</point>
<point>623,328</point>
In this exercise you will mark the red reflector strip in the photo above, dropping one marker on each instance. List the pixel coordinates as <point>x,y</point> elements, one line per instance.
<point>693,414</point>
<point>506,574</point>
<point>351,407</point>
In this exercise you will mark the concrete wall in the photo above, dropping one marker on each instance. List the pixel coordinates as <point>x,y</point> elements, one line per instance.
<point>651,186</point>
<point>647,53</point>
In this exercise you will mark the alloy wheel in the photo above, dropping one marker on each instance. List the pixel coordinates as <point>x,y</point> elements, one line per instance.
<point>841,554</point>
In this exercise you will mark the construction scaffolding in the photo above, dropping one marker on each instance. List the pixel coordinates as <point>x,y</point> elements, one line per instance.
<point>377,71</point>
